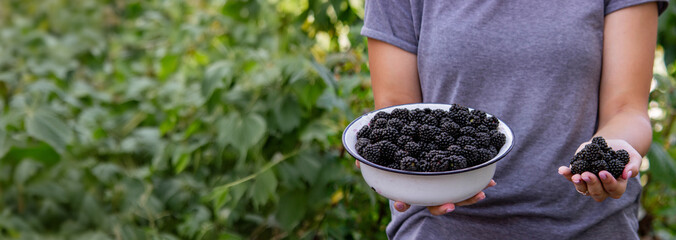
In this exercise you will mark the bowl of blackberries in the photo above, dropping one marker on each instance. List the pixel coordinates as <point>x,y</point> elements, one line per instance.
<point>428,154</point>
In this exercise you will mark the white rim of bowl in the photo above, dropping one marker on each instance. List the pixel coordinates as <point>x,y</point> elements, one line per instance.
<point>367,162</point>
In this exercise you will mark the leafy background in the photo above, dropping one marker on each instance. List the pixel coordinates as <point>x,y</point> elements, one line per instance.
<point>172,119</point>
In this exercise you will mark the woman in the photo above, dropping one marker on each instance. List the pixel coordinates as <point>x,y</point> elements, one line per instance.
<point>558,73</point>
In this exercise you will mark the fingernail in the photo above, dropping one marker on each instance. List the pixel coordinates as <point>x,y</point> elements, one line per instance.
<point>482,196</point>
<point>575,180</point>
<point>603,176</point>
<point>399,206</point>
<point>450,209</point>
<point>586,178</point>
<point>628,175</point>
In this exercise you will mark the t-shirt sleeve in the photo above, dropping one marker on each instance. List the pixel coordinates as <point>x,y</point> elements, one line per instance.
<point>614,5</point>
<point>391,22</point>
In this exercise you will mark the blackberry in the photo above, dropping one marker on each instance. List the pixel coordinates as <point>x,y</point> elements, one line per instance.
<point>395,123</point>
<point>468,131</point>
<point>465,140</point>
<point>409,164</point>
<point>410,129</point>
<point>387,152</point>
<point>483,139</point>
<point>372,153</point>
<point>403,140</point>
<point>429,120</point>
<point>492,123</point>
<point>399,155</point>
<point>623,156</point>
<point>497,139</point>
<point>364,132</point>
<point>417,115</point>
<point>493,150</point>
<point>615,167</point>
<point>361,143</point>
<point>484,155</point>
<point>443,140</point>
<point>426,147</point>
<point>413,148</point>
<point>471,153</point>
<point>394,165</point>
<point>402,114</point>
<point>578,166</point>
<point>455,150</point>
<point>596,166</point>
<point>460,117</point>
<point>458,108</point>
<point>423,165</point>
<point>427,133</point>
<point>438,163</point>
<point>382,115</point>
<point>482,129</point>
<point>601,142</point>
<point>451,128</point>
<point>380,123</point>
<point>439,113</point>
<point>476,117</point>
<point>457,162</point>
<point>433,153</point>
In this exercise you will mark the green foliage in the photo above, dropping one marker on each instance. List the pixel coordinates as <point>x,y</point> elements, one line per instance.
<point>182,120</point>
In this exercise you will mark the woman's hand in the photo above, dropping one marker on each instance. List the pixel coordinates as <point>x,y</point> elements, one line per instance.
<point>444,208</point>
<point>589,185</point>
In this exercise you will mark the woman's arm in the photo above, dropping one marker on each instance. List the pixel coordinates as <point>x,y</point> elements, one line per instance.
<point>394,75</point>
<point>628,51</point>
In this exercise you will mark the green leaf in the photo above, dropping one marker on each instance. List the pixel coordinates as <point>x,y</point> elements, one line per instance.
<point>217,75</point>
<point>239,131</point>
<point>288,115</point>
<point>25,170</point>
<point>45,125</point>
<point>4,143</point>
<point>40,152</point>
<point>291,209</point>
<point>263,188</point>
<point>168,65</point>
<point>662,166</point>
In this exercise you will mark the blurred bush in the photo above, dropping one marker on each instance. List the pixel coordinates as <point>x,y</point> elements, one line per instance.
<point>182,120</point>
<point>170,119</point>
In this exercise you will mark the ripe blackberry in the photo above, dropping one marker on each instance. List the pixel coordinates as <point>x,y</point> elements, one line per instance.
<point>423,165</point>
<point>471,153</point>
<point>468,131</point>
<point>483,140</point>
<point>403,140</point>
<point>601,142</point>
<point>579,166</point>
<point>493,150</point>
<point>623,156</point>
<point>484,155</point>
<point>451,128</point>
<point>400,155</point>
<point>372,153</point>
<point>394,165</point>
<point>482,129</point>
<point>364,132</point>
<point>455,150</point>
<point>497,139</point>
<point>426,147</point>
<point>615,167</point>
<point>387,152</point>
<point>476,117</point>
<point>361,143</point>
<point>596,166</point>
<point>492,123</point>
<point>465,140</point>
<point>409,164</point>
<point>438,163</point>
<point>417,115</point>
<point>379,115</point>
<point>402,114</point>
<point>430,120</point>
<point>458,108</point>
<point>433,153</point>
<point>460,117</point>
<point>410,129</point>
<point>413,148</point>
<point>457,162</point>
<point>395,123</point>
<point>439,113</point>
<point>443,140</point>
<point>380,123</point>
<point>427,133</point>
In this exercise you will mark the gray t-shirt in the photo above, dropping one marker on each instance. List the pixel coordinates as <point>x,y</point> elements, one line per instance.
<point>536,65</point>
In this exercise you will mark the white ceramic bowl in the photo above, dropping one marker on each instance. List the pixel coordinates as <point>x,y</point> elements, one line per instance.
<point>424,188</point>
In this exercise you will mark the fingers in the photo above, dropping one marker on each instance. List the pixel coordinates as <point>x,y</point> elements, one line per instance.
<point>441,209</point>
<point>356,163</point>
<point>490,184</point>
<point>565,171</point>
<point>580,185</point>
<point>478,197</point>
<point>631,170</point>
<point>401,206</point>
<point>614,187</point>
<point>594,186</point>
